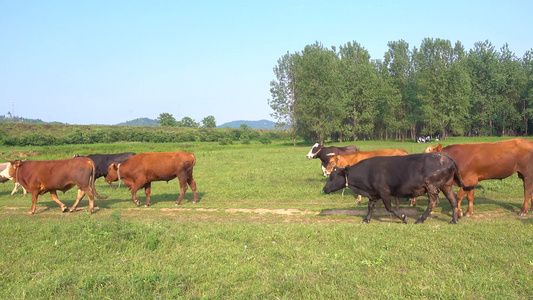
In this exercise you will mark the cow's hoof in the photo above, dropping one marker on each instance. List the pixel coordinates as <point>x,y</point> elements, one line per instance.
<point>365,221</point>
<point>64,209</point>
<point>30,213</point>
<point>419,221</point>
<point>177,203</point>
<point>453,222</point>
<point>522,214</point>
<point>146,205</point>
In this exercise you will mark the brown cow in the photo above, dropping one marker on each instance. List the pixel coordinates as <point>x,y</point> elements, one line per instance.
<point>342,161</point>
<point>40,177</point>
<point>499,160</point>
<point>141,169</point>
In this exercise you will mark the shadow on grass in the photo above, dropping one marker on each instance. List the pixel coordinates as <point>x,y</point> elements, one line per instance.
<point>154,199</point>
<point>45,202</point>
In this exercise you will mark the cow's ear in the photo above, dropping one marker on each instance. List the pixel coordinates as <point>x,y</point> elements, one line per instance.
<point>17,163</point>
<point>439,147</point>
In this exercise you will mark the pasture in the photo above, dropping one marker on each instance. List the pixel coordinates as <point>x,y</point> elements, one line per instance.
<point>261,230</point>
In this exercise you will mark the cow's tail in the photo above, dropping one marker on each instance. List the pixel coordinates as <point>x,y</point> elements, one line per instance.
<point>193,162</point>
<point>92,183</point>
<point>459,180</point>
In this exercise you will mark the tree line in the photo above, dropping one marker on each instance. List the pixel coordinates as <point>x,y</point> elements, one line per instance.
<point>438,88</point>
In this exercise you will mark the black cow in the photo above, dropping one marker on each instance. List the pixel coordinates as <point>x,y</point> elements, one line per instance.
<point>324,153</point>
<point>407,176</point>
<point>103,161</point>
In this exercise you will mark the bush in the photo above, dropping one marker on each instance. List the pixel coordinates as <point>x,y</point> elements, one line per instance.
<point>224,141</point>
<point>245,138</point>
<point>265,139</point>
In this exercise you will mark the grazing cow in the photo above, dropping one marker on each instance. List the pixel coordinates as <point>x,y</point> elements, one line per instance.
<point>499,160</point>
<point>103,161</point>
<point>401,176</point>
<point>6,178</point>
<point>321,152</point>
<point>40,177</point>
<point>140,170</point>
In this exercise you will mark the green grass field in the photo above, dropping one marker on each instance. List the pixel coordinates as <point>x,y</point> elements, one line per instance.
<point>260,230</point>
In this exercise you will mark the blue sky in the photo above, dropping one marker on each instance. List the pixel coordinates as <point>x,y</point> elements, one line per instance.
<point>106,62</point>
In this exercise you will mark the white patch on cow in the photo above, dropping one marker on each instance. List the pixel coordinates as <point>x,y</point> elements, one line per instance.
<point>324,170</point>
<point>311,154</point>
<point>5,172</point>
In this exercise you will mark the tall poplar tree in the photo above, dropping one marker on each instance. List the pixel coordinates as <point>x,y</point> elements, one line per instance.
<point>320,94</point>
<point>283,94</point>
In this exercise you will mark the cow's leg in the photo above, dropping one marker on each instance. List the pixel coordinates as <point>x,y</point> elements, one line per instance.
<point>433,201</point>
<point>147,191</point>
<point>183,187</point>
<point>34,195</point>
<point>81,194</point>
<point>397,202</point>
<point>358,200</point>
<point>452,198</point>
<point>192,184</point>
<point>371,205</point>
<point>386,201</point>
<point>134,190</point>
<point>528,193</point>
<point>413,202</point>
<point>16,189</point>
<point>460,195</point>
<point>470,197</point>
<point>62,206</point>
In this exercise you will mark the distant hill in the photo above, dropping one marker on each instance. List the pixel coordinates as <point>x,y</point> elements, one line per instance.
<point>140,122</point>
<point>261,124</point>
<point>4,119</point>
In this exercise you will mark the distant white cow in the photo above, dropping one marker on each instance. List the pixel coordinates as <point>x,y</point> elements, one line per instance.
<point>4,176</point>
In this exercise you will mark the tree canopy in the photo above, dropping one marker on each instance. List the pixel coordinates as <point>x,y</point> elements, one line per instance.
<point>438,88</point>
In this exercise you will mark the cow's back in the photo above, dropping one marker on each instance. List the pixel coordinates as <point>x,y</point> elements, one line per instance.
<point>491,160</point>
<point>55,174</point>
<point>353,158</point>
<point>156,166</point>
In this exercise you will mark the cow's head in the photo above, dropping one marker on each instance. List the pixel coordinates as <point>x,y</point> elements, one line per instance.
<point>112,173</point>
<point>337,180</point>
<point>314,150</point>
<point>333,159</point>
<point>430,149</point>
<point>10,171</point>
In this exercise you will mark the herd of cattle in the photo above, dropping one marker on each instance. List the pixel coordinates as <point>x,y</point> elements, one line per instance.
<point>378,175</point>
<point>135,170</point>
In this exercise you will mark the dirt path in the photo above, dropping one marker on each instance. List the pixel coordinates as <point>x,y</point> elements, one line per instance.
<point>408,211</point>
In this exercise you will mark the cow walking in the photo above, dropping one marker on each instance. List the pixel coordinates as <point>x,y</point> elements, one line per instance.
<point>40,177</point>
<point>342,161</point>
<point>140,170</point>
<point>499,160</point>
<point>408,176</point>
<point>103,161</point>
<point>323,153</point>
